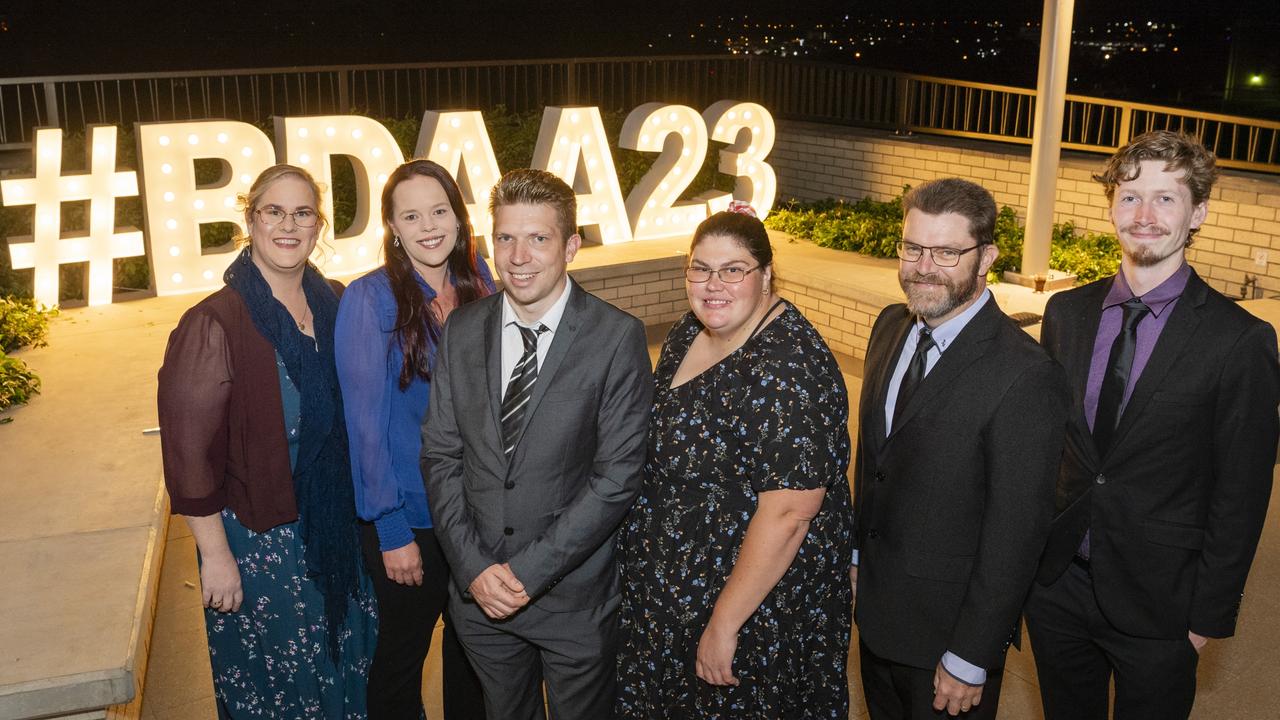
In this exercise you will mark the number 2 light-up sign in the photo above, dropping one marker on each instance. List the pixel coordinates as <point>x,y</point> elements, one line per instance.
<point>571,144</point>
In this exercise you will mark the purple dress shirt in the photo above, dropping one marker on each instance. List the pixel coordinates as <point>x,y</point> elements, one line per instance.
<point>1161,301</point>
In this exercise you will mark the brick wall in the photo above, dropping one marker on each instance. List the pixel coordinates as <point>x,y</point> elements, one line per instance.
<point>842,314</point>
<point>820,161</point>
<point>652,290</point>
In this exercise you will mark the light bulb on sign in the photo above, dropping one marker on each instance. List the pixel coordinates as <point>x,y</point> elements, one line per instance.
<point>457,140</point>
<point>564,159</point>
<point>372,152</point>
<point>750,132</point>
<point>246,152</point>
<point>677,132</point>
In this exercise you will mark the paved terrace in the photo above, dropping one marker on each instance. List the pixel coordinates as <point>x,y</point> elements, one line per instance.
<point>90,557</point>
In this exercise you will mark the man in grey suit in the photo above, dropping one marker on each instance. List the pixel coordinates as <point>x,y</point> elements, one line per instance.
<point>532,453</point>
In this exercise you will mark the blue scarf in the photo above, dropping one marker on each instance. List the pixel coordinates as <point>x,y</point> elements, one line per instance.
<point>322,474</point>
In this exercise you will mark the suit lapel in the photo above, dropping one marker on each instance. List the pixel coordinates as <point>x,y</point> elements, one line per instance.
<point>1172,342</point>
<point>968,346</point>
<point>875,388</point>
<point>1079,358</point>
<point>493,366</point>
<point>561,340</point>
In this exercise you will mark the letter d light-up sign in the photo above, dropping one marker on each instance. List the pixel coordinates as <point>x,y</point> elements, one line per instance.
<point>572,145</point>
<point>309,142</point>
<point>177,207</point>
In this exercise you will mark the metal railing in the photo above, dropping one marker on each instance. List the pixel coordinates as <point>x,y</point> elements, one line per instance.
<point>796,90</point>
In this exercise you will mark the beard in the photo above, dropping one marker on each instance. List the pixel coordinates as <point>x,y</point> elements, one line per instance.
<point>927,303</point>
<point>1148,255</point>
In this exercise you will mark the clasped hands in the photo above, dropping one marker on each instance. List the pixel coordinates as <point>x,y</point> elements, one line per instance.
<point>498,592</point>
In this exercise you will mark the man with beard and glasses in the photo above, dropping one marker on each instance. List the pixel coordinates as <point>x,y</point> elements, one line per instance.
<point>962,424</point>
<point>1170,447</point>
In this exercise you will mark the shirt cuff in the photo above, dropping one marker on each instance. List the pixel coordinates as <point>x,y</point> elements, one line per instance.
<point>393,531</point>
<point>855,557</point>
<point>965,672</point>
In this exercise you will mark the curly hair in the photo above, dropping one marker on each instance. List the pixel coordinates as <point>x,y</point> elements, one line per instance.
<point>1179,151</point>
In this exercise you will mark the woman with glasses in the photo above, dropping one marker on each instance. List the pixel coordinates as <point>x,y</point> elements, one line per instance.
<point>388,327</point>
<point>735,598</point>
<point>255,457</point>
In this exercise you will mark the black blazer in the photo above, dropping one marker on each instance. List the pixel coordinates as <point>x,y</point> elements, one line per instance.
<point>1177,504</point>
<point>952,508</point>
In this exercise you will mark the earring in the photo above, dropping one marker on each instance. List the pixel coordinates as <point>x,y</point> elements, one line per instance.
<point>397,241</point>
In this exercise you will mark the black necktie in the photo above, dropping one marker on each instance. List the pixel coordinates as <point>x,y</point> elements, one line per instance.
<point>523,375</point>
<point>915,371</point>
<point>1117,378</point>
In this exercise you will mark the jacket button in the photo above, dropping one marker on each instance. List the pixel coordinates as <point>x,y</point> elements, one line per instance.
<point>1101,479</point>
<point>879,477</point>
<point>508,531</point>
<point>508,485</point>
<point>873,533</point>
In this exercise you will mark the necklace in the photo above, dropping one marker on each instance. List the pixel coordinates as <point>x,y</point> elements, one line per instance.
<point>306,312</point>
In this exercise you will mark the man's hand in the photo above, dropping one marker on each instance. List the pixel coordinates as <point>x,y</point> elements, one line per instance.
<point>404,564</point>
<point>497,591</point>
<point>714,663</point>
<point>952,695</point>
<point>853,580</point>
<point>1197,641</point>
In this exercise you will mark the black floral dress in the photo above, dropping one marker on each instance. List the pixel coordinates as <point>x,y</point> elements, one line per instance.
<point>773,415</point>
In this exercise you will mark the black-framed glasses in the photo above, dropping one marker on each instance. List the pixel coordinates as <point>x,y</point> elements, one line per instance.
<point>302,217</point>
<point>728,275</point>
<point>942,256</point>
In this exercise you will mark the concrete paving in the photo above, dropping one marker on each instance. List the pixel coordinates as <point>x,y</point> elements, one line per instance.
<point>81,505</point>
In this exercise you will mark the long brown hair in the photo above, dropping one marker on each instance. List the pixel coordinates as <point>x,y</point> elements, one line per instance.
<point>417,328</point>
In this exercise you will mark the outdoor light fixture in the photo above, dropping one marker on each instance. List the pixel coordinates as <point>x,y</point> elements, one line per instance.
<point>459,142</point>
<point>101,242</point>
<point>176,207</point>
<point>571,144</point>
<point>1255,80</point>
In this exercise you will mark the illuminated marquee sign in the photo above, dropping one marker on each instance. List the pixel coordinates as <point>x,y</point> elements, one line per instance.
<point>571,144</point>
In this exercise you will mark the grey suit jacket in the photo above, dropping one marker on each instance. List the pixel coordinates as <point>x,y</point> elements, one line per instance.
<point>553,508</point>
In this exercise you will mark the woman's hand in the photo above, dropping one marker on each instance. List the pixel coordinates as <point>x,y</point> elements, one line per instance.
<point>220,583</point>
<point>715,655</point>
<point>404,564</point>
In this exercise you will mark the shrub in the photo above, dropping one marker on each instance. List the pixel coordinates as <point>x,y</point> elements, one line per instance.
<point>873,227</point>
<point>23,323</point>
<point>17,383</point>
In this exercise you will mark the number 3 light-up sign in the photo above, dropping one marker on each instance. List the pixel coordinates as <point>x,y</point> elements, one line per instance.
<point>571,143</point>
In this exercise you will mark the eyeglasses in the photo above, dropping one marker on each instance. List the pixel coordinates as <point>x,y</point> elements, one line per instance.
<point>302,217</point>
<point>727,275</point>
<point>941,256</point>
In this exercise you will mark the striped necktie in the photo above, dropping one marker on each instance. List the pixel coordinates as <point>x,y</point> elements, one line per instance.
<point>520,388</point>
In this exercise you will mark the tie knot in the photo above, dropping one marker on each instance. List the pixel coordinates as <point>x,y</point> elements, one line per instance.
<point>1134,311</point>
<point>530,336</point>
<point>925,342</point>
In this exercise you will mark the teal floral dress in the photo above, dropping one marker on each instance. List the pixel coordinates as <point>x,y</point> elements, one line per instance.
<point>773,415</point>
<point>270,659</point>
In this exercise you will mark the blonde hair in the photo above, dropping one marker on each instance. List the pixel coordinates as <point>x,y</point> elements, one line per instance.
<point>248,202</point>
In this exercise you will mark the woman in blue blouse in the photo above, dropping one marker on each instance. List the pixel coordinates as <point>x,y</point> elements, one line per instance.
<point>388,325</point>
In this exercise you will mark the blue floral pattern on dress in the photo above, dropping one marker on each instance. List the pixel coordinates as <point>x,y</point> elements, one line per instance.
<point>773,415</point>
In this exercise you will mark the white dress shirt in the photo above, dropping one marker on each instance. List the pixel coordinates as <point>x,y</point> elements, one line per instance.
<point>513,344</point>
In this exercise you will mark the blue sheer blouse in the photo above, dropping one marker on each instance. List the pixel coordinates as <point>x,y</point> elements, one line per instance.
<point>384,423</point>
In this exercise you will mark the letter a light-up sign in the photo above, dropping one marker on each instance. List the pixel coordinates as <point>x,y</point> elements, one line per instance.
<point>459,142</point>
<point>654,205</point>
<point>176,207</point>
<point>309,142</point>
<point>573,146</point>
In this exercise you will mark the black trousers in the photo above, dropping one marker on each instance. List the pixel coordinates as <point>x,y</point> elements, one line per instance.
<point>1078,652</point>
<point>407,616</point>
<point>894,691</point>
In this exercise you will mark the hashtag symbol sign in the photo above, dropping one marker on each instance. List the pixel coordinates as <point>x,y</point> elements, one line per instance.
<point>47,248</point>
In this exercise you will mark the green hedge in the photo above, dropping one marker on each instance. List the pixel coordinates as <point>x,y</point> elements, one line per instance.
<point>873,227</point>
<point>22,324</point>
<point>513,135</point>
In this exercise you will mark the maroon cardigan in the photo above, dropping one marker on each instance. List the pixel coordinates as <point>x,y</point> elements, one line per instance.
<point>222,418</point>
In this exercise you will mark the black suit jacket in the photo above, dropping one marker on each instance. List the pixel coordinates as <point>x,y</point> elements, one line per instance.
<point>952,508</point>
<point>1176,506</point>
